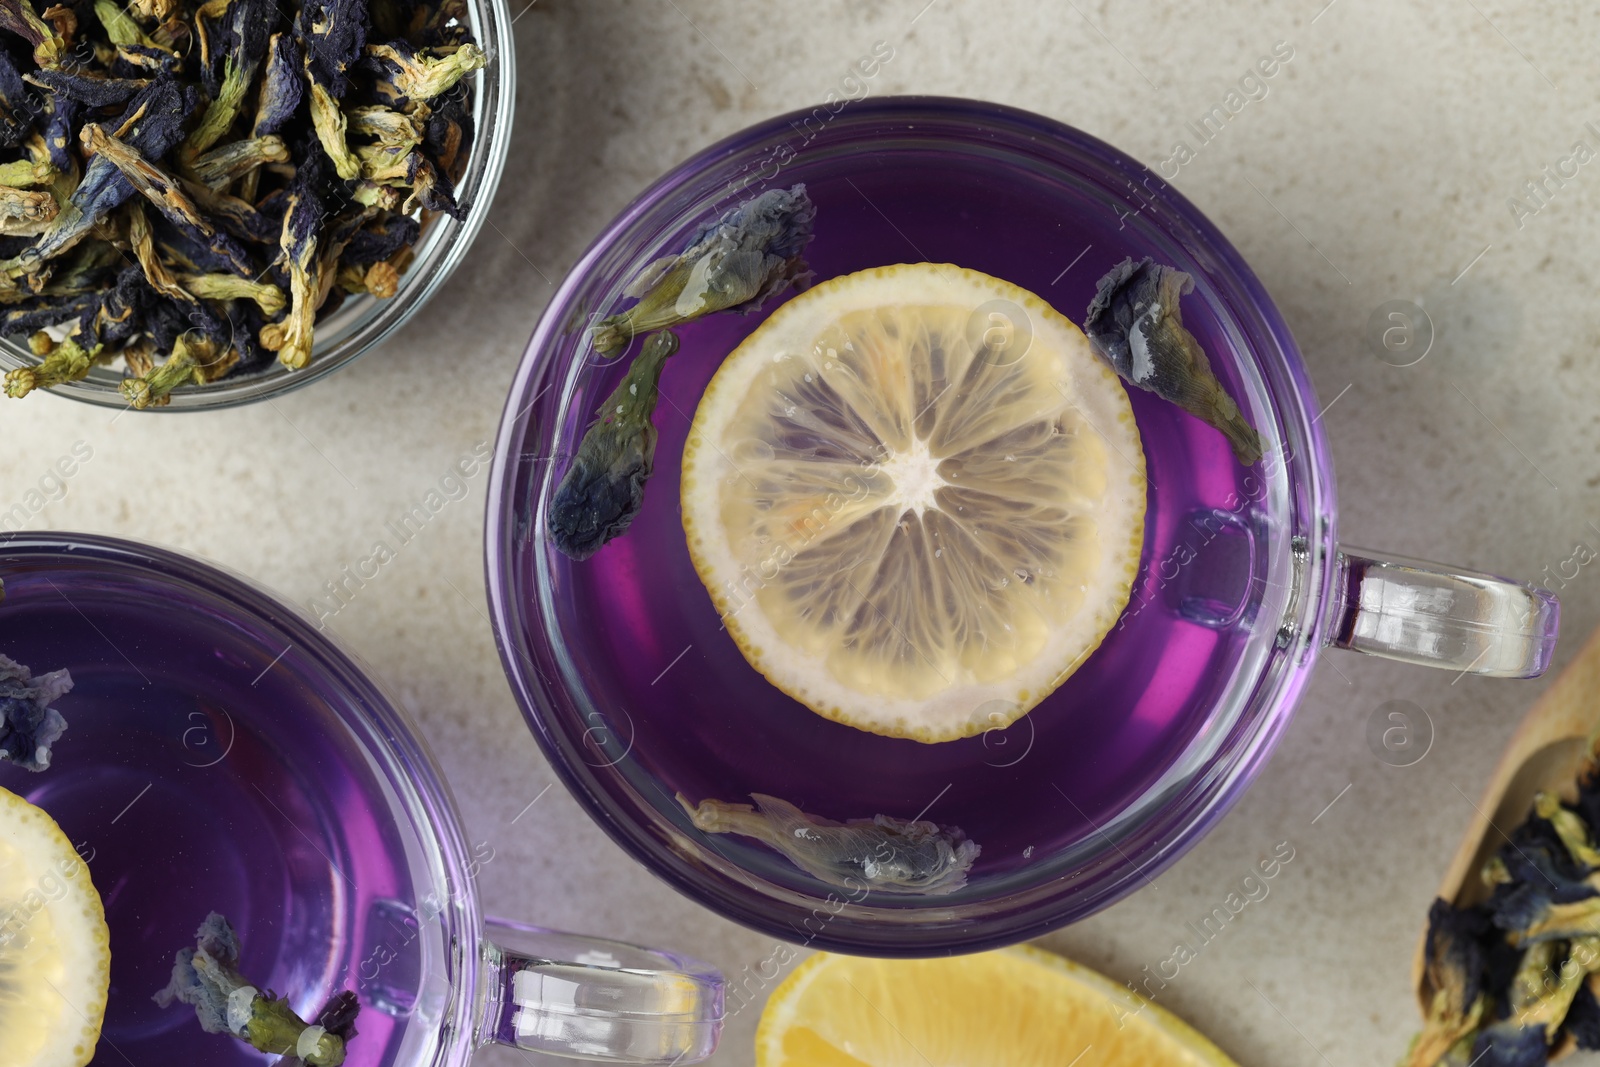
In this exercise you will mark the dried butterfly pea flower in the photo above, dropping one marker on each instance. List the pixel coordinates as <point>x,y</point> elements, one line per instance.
<point>603,489</point>
<point>268,297</point>
<point>332,34</point>
<point>735,263</point>
<point>298,240</point>
<point>1454,961</point>
<point>242,42</point>
<point>25,211</point>
<point>410,75</point>
<point>883,853</point>
<point>1136,323</point>
<point>87,87</point>
<point>228,163</point>
<point>202,359</point>
<point>67,362</point>
<point>19,107</point>
<point>1513,980</point>
<point>329,121</point>
<point>28,724</point>
<point>142,238</point>
<point>154,118</point>
<point>207,978</point>
<point>241,251</point>
<point>282,87</point>
<point>163,190</point>
<point>380,239</point>
<point>19,17</point>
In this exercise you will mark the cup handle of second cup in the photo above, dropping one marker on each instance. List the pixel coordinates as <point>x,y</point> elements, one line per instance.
<point>572,996</point>
<point>1442,617</point>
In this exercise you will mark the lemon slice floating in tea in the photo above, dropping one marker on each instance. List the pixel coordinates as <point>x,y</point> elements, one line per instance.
<point>55,950</point>
<point>1018,1006</point>
<point>917,498</point>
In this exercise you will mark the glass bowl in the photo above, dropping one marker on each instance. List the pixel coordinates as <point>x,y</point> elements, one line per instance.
<point>590,647</point>
<point>363,321</point>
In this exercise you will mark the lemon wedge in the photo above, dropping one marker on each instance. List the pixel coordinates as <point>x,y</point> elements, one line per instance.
<point>55,950</point>
<point>916,497</point>
<point>1019,1007</point>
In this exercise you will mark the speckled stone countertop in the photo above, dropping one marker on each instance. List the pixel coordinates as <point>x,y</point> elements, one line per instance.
<point>1382,164</point>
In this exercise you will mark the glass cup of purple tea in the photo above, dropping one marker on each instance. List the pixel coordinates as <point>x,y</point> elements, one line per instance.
<point>225,765</point>
<point>652,665</point>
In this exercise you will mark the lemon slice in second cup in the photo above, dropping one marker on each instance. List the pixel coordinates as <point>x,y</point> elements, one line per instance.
<point>55,950</point>
<point>917,498</point>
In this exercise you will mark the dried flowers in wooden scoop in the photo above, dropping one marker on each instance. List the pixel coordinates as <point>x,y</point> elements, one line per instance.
<point>188,186</point>
<point>1508,973</point>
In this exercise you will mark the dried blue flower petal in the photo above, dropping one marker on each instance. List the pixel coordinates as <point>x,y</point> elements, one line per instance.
<point>28,724</point>
<point>733,264</point>
<point>1583,1018</point>
<point>204,977</point>
<point>282,87</point>
<point>1510,1046</point>
<point>20,108</point>
<point>1135,321</point>
<point>302,222</point>
<point>380,239</point>
<point>332,34</point>
<point>87,87</point>
<point>603,489</point>
<point>60,116</point>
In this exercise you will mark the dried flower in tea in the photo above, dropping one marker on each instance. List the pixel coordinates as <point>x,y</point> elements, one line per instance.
<point>603,489</point>
<point>881,853</point>
<point>28,724</point>
<point>282,147</point>
<point>1136,323</point>
<point>207,978</point>
<point>733,264</point>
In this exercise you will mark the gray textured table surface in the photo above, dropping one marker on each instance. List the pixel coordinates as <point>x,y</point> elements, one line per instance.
<point>1378,167</point>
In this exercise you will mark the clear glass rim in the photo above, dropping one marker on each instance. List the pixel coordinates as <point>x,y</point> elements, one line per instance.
<point>1149,846</point>
<point>363,322</point>
<point>413,773</point>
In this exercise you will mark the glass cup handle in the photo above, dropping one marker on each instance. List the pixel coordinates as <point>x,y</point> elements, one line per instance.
<point>565,995</point>
<point>1442,617</point>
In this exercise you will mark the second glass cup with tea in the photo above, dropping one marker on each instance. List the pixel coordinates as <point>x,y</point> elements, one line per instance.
<point>223,755</point>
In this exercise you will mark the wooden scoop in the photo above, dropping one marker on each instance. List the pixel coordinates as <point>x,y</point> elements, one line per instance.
<point>1545,754</point>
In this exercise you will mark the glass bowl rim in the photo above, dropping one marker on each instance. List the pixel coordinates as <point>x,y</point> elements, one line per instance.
<point>1268,707</point>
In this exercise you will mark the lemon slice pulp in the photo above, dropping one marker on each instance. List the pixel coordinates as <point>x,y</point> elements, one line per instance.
<point>917,498</point>
<point>55,950</point>
<point>1019,1007</point>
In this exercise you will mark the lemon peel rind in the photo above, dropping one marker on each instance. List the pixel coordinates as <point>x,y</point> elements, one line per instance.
<point>707,549</point>
<point>778,1016</point>
<point>89,942</point>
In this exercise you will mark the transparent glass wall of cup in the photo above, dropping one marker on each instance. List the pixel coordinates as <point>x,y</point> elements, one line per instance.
<point>587,646</point>
<point>223,754</point>
<point>363,321</point>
